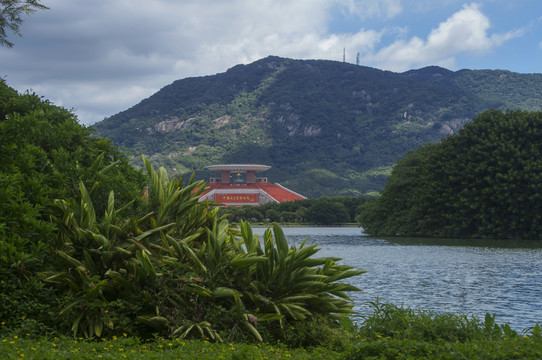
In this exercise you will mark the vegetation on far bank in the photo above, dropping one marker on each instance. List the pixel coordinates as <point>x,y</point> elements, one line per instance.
<point>323,211</point>
<point>483,182</point>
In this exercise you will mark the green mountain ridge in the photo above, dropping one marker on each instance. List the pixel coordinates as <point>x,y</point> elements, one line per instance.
<point>325,127</point>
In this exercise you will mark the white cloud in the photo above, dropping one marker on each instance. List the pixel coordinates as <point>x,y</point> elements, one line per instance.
<point>103,56</point>
<point>373,8</point>
<point>465,31</point>
<point>97,54</point>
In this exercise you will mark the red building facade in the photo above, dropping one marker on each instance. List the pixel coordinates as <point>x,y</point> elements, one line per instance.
<point>238,185</point>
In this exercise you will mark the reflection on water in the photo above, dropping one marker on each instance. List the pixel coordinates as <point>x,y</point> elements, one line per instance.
<point>459,276</point>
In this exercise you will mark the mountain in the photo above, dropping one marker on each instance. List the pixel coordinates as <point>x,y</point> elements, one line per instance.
<point>325,127</point>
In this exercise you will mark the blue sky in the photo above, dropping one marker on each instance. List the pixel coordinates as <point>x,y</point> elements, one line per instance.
<point>100,57</point>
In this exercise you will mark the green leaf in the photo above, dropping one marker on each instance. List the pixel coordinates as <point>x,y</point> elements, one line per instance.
<point>243,260</point>
<point>75,325</point>
<point>98,327</point>
<point>153,231</point>
<point>72,260</point>
<point>280,239</point>
<point>183,331</point>
<point>223,292</point>
<point>252,330</point>
<point>156,322</point>
<point>270,317</point>
<point>146,264</point>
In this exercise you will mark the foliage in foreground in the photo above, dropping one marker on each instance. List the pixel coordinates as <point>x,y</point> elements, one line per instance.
<point>133,348</point>
<point>394,332</point>
<point>44,155</point>
<point>391,332</point>
<point>397,322</point>
<point>86,252</point>
<point>180,271</point>
<point>515,348</point>
<point>483,182</point>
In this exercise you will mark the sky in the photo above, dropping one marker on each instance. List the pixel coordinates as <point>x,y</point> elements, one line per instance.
<point>101,57</point>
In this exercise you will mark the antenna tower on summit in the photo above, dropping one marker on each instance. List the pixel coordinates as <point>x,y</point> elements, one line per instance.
<point>357,59</point>
<point>344,54</point>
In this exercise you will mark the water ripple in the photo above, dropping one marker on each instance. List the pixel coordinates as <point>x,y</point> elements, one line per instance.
<point>501,278</point>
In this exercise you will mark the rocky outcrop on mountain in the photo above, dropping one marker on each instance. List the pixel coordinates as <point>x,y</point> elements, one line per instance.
<point>325,127</point>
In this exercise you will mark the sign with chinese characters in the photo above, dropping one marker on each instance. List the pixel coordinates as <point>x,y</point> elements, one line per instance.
<point>236,198</point>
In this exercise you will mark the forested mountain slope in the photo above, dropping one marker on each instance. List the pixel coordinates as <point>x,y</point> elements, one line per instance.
<point>325,127</point>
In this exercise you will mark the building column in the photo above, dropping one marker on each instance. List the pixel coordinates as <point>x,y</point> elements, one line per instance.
<point>225,177</point>
<point>250,177</point>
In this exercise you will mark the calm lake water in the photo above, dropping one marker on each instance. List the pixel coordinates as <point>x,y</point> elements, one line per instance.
<point>468,277</point>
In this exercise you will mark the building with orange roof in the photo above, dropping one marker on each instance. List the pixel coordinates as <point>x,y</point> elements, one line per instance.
<point>238,185</point>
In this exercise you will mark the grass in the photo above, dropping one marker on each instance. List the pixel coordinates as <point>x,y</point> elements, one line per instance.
<point>394,332</point>
<point>391,332</point>
<point>132,348</point>
<point>389,348</point>
<point>523,347</point>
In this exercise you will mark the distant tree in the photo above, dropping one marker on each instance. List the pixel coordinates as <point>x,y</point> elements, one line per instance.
<point>289,216</point>
<point>273,215</point>
<point>394,212</point>
<point>252,214</point>
<point>327,212</point>
<point>301,213</point>
<point>483,182</point>
<point>11,12</point>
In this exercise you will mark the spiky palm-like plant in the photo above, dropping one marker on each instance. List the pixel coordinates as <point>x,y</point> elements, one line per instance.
<point>110,259</point>
<point>180,270</point>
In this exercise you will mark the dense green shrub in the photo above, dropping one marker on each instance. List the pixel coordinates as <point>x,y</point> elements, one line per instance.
<point>389,320</point>
<point>483,182</point>
<point>84,252</point>
<point>394,332</point>
<point>181,271</point>
<point>87,252</point>
<point>26,306</point>
<point>328,212</point>
<point>44,154</point>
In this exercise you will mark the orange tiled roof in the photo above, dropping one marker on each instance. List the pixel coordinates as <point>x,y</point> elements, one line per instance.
<point>277,192</point>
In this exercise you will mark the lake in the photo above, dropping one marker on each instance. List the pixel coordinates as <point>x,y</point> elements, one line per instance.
<point>458,276</point>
